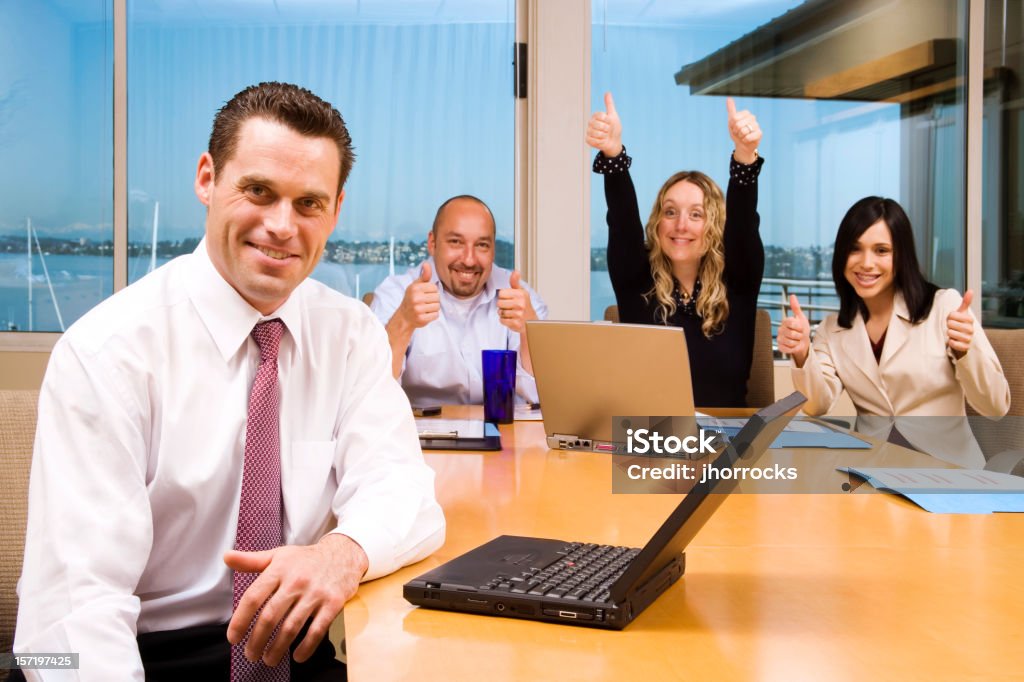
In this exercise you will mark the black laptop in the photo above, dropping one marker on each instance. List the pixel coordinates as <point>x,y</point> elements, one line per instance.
<point>588,583</point>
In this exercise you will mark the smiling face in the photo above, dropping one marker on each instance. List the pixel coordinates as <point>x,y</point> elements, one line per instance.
<point>463,247</point>
<point>682,223</point>
<point>869,267</point>
<point>271,208</point>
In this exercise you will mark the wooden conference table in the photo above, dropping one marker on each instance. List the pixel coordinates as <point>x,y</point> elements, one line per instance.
<point>789,587</point>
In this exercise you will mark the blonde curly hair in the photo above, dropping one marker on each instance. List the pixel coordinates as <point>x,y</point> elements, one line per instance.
<point>712,304</point>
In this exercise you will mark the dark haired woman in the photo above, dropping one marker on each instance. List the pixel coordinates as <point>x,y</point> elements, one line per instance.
<point>695,264</point>
<point>900,346</point>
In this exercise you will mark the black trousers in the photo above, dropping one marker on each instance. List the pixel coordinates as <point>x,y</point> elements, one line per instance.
<point>203,653</point>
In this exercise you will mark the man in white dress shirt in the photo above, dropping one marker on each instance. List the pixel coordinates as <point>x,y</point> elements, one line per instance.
<point>137,472</point>
<point>441,315</point>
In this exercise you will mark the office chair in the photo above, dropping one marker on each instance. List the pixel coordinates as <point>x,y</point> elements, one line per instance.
<point>995,437</point>
<point>17,433</point>
<point>761,384</point>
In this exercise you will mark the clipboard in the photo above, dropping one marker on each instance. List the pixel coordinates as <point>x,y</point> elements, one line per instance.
<point>458,434</point>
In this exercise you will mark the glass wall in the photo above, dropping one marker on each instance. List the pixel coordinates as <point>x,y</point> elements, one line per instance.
<point>855,99</point>
<point>56,161</point>
<point>425,88</point>
<point>1003,180</point>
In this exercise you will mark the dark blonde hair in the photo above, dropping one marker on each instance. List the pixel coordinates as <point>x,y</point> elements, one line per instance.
<point>712,305</point>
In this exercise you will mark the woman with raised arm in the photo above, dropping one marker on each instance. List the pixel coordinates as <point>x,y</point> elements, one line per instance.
<point>698,261</point>
<point>906,351</point>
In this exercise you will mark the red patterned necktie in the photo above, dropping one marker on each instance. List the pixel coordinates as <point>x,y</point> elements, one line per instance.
<point>259,511</point>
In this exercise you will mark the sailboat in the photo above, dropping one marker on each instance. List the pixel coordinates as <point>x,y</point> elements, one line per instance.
<point>31,233</point>
<point>156,227</point>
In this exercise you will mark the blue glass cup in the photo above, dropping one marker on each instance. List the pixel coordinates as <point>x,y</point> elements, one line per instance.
<point>499,386</point>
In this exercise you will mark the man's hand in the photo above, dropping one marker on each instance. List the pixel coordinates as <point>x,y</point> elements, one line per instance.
<point>604,130</point>
<point>514,306</point>
<point>296,583</point>
<point>514,310</point>
<point>794,337</point>
<point>421,304</point>
<point>960,327</point>
<point>745,133</point>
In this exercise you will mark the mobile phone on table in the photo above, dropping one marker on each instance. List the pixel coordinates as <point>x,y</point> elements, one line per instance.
<point>430,411</point>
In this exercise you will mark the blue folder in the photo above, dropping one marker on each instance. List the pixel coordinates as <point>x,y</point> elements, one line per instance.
<point>827,438</point>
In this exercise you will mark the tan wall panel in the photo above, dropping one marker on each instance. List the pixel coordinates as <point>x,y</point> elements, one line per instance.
<point>22,370</point>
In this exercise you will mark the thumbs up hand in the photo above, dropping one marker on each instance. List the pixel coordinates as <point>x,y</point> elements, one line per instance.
<point>514,305</point>
<point>794,337</point>
<point>421,304</point>
<point>960,327</point>
<point>604,130</point>
<point>744,131</point>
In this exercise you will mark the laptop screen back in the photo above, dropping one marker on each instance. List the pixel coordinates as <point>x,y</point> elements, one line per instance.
<point>589,372</point>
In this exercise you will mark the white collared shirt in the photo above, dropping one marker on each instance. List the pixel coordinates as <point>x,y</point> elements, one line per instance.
<point>443,363</point>
<point>137,471</point>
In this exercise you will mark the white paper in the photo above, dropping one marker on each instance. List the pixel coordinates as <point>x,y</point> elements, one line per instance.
<point>450,428</point>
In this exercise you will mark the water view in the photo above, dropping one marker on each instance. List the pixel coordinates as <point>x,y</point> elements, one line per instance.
<point>78,282</point>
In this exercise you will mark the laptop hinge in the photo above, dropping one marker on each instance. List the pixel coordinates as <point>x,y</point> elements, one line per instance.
<point>643,595</point>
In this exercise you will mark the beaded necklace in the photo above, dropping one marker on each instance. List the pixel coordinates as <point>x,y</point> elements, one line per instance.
<point>686,304</point>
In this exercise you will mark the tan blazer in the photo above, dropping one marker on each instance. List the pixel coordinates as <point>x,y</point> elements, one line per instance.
<point>916,377</point>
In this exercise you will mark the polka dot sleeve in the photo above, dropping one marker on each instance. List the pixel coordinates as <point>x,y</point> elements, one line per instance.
<point>741,173</point>
<point>605,166</point>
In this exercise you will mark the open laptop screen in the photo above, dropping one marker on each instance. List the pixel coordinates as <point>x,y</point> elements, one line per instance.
<point>704,498</point>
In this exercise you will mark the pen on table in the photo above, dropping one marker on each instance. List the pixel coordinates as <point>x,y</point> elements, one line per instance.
<point>428,435</point>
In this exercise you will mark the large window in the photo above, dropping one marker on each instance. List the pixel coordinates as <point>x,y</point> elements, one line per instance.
<point>1003,181</point>
<point>56,161</point>
<point>426,91</point>
<point>855,99</point>
<point>425,87</point>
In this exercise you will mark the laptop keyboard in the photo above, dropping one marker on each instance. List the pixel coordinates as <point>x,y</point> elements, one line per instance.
<point>585,572</point>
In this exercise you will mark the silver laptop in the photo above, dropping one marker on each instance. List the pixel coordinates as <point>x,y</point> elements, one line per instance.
<point>589,372</point>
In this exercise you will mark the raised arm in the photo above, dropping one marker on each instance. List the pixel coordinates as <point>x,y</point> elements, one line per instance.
<point>975,363</point>
<point>744,251</point>
<point>628,266</point>
<point>404,311</point>
<point>814,373</point>
<point>515,309</point>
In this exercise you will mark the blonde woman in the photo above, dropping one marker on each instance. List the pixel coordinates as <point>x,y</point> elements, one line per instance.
<point>698,262</point>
